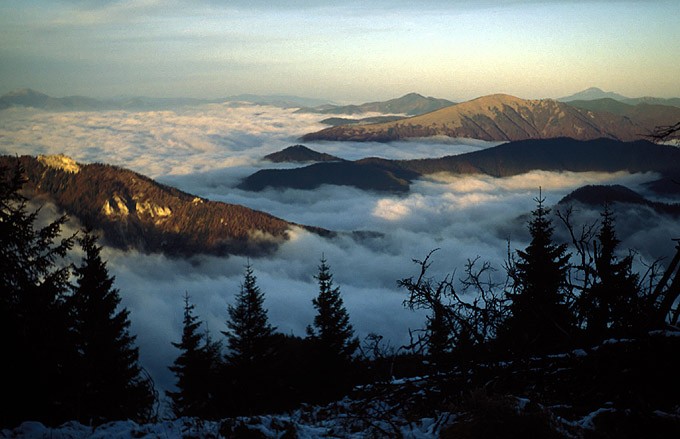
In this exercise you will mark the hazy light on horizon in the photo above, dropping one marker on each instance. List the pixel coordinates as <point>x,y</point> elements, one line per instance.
<point>349,52</point>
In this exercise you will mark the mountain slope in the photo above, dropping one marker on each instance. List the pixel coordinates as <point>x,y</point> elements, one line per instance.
<point>498,117</point>
<point>558,154</point>
<point>594,94</point>
<point>513,158</point>
<point>299,154</point>
<point>646,114</point>
<point>364,174</point>
<point>31,98</point>
<point>410,104</point>
<point>598,195</point>
<point>135,212</point>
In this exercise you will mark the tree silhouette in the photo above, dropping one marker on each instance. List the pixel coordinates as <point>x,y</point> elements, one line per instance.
<point>194,368</point>
<point>331,330</point>
<point>112,384</point>
<point>248,338</point>
<point>251,348</point>
<point>332,338</point>
<point>37,346</point>
<point>614,301</point>
<point>540,319</point>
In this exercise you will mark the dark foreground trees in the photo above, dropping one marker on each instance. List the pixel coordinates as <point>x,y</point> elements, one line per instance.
<point>263,370</point>
<point>547,304</point>
<point>251,349</point>
<point>67,351</point>
<point>540,319</point>
<point>111,384</point>
<point>196,368</point>
<point>38,350</point>
<point>331,336</point>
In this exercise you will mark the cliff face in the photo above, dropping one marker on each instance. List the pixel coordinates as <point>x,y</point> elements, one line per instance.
<point>503,118</point>
<point>135,212</point>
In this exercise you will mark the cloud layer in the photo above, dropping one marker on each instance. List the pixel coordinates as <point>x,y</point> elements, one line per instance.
<point>206,150</point>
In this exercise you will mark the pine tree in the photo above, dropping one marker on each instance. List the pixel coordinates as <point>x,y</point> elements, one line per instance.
<point>613,302</point>
<point>250,342</point>
<point>540,319</point>
<point>249,335</point>
<point>112,382</point>
<point>37,346</point>
<point>332,330</point>
<point>332,340</point>
<point>191,368</point>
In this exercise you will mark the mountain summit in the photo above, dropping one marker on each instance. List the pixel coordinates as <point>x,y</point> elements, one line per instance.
<point>593,93</point>
<point>502,117</point>
<point>410,104</point>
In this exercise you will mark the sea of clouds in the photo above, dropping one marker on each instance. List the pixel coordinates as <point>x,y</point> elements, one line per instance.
<point>207,150</point>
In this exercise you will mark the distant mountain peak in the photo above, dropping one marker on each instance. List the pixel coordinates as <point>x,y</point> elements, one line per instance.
<point>410,104</point>
<point>593,93</point>
<point>24,92</point>
<point>503,117</point>
<point>299,154</point>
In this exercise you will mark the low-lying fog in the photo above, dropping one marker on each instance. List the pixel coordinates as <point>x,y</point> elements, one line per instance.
<point>207,150</point>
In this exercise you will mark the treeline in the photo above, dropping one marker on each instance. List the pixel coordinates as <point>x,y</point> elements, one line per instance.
<point>66,346</point>
<point>71,356</point>
<point>262,370</point>
<point>550,300</point>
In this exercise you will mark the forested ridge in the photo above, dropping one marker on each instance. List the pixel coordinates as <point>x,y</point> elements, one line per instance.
<point>135,212</point>
<point>568,331</point>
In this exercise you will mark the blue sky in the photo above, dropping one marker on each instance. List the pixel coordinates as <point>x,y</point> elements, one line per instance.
<point>347,51</point>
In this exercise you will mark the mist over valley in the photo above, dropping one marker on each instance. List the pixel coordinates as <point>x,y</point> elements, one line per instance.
<point>208,150</point>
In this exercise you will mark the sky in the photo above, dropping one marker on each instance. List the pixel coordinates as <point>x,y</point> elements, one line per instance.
<point>350,51</point>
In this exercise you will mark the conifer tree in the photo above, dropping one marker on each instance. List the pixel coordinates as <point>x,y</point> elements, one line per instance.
<point>249,335</point>
<point>251,347</point>
<point>192,368</point>
<point>332,330</point>
<point>439,342</point>
<point>112,382</point>
<point>37,348</point>
<point>613,302</point>
<point>540,319</point>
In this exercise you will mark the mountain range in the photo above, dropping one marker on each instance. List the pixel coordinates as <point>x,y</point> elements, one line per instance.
<point>134,212</point>
<point>34,99</point>
<point>411,104</point>
<point>503,117</point>
<point>594,93</point>
<point>508,159</point>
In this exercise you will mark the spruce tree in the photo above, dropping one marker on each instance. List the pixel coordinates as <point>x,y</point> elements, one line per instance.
<point>540,319</point>
<point>249,335</point>
<point>37,347</point>
<point>191,368</point>
<point>332,340</point>
<point>112,382</point>
<point>251,348</point>
<point>613,303</point>
<point>332,330</point>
